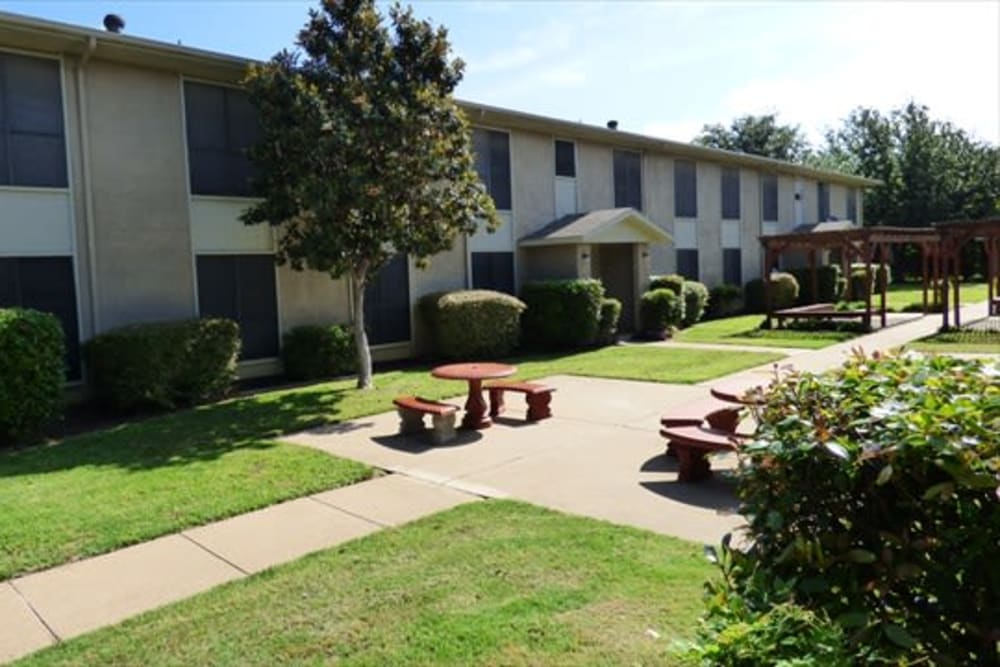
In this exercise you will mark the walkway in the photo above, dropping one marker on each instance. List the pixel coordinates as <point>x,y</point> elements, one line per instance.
<point>600,456</point>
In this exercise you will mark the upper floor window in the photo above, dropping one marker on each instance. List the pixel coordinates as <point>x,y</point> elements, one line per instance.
<point>221,125</point>
<point>492,150</point>
<point>769,198</point>
<point>685,189</point>
<point>565,159</point>
<point>823,194</point>
<point>852,204</point>
<point>32,140</point>
<point>628,179</point>
<point>730,193</point>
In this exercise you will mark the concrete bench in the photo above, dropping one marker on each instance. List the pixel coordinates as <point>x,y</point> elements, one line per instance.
<point>691,439</point>
<point>411,411</point>
<point>537,395</point>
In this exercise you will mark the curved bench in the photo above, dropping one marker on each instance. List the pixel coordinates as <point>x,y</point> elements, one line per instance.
<point>537,395</point>
<point>411,411</point>
<point>693,443</point>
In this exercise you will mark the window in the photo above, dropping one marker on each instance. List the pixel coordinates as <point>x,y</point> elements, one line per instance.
<point>565,159</point>
<point>493,270</point>
<point>852,204</point>
<point>242,288</point>
<point>730,194</point>
<point>687,263</point>
<point>46,284</point>
<point>685,189</point>
<point>732,266</point>
<point>32,143</point>
<point>492,150</point>
<point>387,304</point>
<point>221,125</point>
<point>769,198</point>
<point>823,194</point>
<point>628,179</point>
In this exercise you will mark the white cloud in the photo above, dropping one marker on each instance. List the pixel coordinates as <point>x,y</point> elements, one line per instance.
<point>683,130</point>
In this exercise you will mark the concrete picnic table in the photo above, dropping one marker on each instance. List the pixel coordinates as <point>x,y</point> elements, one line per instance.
<point>476,416</point>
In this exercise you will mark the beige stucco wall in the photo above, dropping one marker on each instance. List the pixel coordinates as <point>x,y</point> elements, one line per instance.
<point>557,262</point>
<point>658,199</point>
<point>446,271</point>
<point>750,222</point>
<point>709,183</point>
<point>311,297</point>
<point>533,181</point>
<point>139,185</point>
<point>594,176</point>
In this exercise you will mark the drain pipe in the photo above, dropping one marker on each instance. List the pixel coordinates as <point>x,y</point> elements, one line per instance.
<point>85,183</point>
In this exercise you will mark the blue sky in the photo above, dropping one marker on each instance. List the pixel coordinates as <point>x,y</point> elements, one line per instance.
<point>663,68</point>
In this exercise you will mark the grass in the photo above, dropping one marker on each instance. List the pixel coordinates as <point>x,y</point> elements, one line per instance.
<point>96,492</point>
<point>951,342</point>
<point>744,330</point>
<point>488,583</point>
<point>901,295</point>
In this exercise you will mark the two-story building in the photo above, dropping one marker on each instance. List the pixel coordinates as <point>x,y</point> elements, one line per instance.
<point>123,174</point>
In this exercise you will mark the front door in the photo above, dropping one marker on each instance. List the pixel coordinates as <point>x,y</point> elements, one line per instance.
<point>615,269</point>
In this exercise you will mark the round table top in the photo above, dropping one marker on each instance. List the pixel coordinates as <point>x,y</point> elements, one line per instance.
<point>479,370</point>
<point>739,394</point>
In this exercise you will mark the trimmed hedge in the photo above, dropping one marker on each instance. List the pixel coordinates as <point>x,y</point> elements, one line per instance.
<point>163,364</point>
<point>561,313</point>
<point>660,311</point>
<point>32,371</point>
<point>315,351</point>
<point>611,312</point>
<point>829,283</point>
<point>695,296</point>
<point>784,292</point>
<point>673,281</point>
<point>472,324</point>
<point>725,301</point>
<point>881,274</point>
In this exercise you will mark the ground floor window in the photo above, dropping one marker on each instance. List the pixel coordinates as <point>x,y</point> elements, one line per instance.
<point>387,304</point>
<point>493,270</point>
<point>687,264</point>
<point>242,288</point>
<point>732,266</point>
<point>45,284</point>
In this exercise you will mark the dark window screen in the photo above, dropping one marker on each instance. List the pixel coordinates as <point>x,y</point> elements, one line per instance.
<point>32,141</point>
<point>685,189</point>
<point>387,304</point>
<point>852,204</point>
<point>687,264</point>
<point>45,284</point>
<point>242,288</point>
<point>769,198</point>
<point>823,192</point>
<point>731,194</point>
<point>565,159</point>
<point>732,266</point>
<point>493,270</point>
<point>628,179</point>
<point>492,151</point>
<point>221,125</point>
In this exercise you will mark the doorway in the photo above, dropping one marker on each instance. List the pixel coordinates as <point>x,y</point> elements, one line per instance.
<point>613,264</point>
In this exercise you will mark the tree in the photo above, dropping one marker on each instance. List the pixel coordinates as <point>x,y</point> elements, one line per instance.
<point>757,135</point>
<point>364,153</point>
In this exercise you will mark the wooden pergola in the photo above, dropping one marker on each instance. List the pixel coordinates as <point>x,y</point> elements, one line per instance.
<point>953,236</point>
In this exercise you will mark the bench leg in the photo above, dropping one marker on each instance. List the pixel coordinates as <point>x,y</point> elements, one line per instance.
<point>496,401</point>
<point>538,406</point>
<point>444,428</point>
<point>671,450</point>
<point>693,466</point>
<point>409,421</point>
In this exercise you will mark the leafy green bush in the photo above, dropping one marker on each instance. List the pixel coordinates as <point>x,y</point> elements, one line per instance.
<point>314,351</point>
<point>470,324</point>
<point>695,296</point>
<point>32,371</point>
<point>829,284</point>
<point>724,301</point>
<point>871,494</point>
<point>673,281</point>
<point>163,364</point>
<point>881,274</point>
<point>562,313</point>
<point>660,311</point>
<point>611,311</point>
<point>784,292</point>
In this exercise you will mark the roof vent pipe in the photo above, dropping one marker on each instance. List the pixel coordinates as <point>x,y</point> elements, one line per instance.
<point>612,124</point>
<point>114,23</point>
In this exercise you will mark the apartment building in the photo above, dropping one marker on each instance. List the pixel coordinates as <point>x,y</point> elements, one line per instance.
<point>123,174</point>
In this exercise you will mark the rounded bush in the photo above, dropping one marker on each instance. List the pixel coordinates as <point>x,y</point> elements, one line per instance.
<point>315,351</point>
<point>32,371</point>
<point>725,301</point>
<point>784,292</point>
<point>673,282</point>
<point>163,364</point>
<point>881,275</point>
<point>562,313</point>
<point>829,283</point>
<point>695,301</point>
<point>611,311</point>
<point>660,310</point>
<point>472,324</point>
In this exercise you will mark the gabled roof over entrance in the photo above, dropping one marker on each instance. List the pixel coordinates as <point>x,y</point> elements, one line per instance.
<point>611,225</point>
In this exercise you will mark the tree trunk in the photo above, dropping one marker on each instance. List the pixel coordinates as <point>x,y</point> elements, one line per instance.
<point>360,337</point>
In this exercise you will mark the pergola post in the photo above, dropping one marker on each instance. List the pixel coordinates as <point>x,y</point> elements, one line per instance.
<point>923,272</point>
<point>957,281</point>
<point>868,251</point>
<point>813,279</point>
<point>992,260</point>
<point>768,260</point>
<point>885,257</point>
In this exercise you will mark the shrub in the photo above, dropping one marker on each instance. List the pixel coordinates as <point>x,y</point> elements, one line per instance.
<point>871,494</point>
<point>611,311</point>
<point>469,324</point>
<point>32,371</point>
<point>562,313</point>
<point>784,292</point>
<point>314,351</point>
<point>673,281</point>
<point>829,284</point>
<point>881,274</point>
<point>660,310</point>
<point>695,296</point>
<point>163,364</point>
<point>725,301</point>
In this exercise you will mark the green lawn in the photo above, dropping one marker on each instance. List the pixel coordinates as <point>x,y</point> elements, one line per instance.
<point>985,342</point>
<point>743,330</point>
<point>489,583</point>
<point>899,296</point>
<point>100,491</point>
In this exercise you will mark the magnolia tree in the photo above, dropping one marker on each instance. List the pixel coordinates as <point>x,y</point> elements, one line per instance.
<point>364,153</point>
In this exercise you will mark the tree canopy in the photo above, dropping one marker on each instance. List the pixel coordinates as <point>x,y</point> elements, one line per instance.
<point>757,135</point>
<point>364,153</point>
